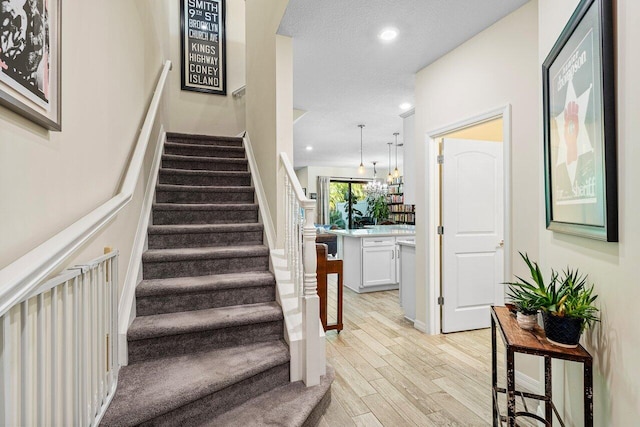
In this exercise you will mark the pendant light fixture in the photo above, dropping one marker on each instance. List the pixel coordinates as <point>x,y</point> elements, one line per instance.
<point>396,172</point>
<point>361,167</point>
<point>389,176</point>
<point>375,189</point>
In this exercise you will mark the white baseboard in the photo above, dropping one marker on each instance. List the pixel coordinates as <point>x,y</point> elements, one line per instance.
<point>126,306</point>
<point>421,326</point>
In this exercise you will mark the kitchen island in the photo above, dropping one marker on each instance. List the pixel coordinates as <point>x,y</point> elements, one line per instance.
<point>370,256</point>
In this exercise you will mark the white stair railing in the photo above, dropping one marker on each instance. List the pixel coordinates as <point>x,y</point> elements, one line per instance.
<point>300,255</point>
<point>58,349</point>
<point>53,345</point>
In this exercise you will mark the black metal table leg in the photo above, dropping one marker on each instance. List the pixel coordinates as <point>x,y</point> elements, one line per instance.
<point>548,389</point>
<point>511,388</point>
<point>494,374</point>
<point>588,394</point>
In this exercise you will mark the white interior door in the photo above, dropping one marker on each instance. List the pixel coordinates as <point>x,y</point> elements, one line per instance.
<point>473,221</point>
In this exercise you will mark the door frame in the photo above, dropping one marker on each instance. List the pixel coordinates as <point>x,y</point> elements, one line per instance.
<point>434,310</point>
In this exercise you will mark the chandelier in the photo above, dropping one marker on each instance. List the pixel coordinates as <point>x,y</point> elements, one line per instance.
<point>375,189</point>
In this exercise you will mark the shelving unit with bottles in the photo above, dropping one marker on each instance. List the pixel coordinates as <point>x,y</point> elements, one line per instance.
<point>399,212</point>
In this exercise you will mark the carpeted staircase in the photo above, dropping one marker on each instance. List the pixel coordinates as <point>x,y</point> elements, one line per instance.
<point>207,347</point>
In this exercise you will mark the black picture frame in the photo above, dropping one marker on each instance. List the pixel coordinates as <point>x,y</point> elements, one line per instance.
<point>203,46</point>
<point>579,123</point>
<point>31,65</point>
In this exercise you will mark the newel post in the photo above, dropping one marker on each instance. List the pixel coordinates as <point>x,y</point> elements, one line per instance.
<point>310,301</point>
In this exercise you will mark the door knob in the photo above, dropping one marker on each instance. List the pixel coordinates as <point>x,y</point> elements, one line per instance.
<point>501,244</point>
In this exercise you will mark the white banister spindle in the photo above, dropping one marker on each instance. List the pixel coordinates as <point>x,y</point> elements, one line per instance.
<point>53,358</point>
<point>114,331</point>
<point>5,372</point>
<point>93,333</point>
<point>25,359</point>
<point>66,355</point>
<point>40,353</point>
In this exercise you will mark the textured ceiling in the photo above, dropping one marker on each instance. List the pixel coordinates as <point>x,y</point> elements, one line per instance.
<point>344,75</point>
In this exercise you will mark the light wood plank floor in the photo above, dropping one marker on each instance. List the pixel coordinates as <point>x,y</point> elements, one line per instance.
<point>390,374</point>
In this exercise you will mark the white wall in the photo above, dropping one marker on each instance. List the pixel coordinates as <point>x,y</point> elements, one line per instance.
<point>613,267</point>
<point>48,180</point>
<point>193,112</point>
<point>408,154</point>
<point>497,67</point>
<point>267,130</point>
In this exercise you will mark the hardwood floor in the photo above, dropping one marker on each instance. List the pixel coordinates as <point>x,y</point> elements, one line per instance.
<point>390,374</point>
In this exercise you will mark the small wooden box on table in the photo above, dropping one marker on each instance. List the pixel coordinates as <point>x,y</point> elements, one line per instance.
<point>517,340</point>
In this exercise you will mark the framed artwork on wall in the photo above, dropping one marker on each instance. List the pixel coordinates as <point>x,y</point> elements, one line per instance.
<point>30,60</point>
<point>203,46</point>
<point>580,126</point>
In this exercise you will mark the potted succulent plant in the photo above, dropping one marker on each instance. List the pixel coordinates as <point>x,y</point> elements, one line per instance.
<point>525,297</point>
<point>569,310</point>
<point>567,303</point>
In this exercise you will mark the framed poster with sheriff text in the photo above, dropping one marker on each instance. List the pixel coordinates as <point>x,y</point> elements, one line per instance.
<point>30,62</point>
<point>203,46</point>
<point>580,126</point>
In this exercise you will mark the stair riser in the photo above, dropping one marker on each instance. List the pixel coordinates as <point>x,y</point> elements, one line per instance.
<point>209,151</point>
<point>206,166</point>
<point>203,267</point>
<point>146,306</point>
<point>174,345</point>
<point>212,141</point>
<point>180,179</point>
<point>203,197</point>
<point>209,407</point>
<point>163,217</point>
<point>201,240</point>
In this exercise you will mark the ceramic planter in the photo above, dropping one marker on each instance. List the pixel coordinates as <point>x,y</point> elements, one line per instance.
<point>562,331</point>
<point>527,321</point>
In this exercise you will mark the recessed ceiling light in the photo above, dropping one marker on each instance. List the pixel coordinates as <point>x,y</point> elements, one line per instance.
<point>404,106</point>
<point>388,34</point>
<point>309,148</point>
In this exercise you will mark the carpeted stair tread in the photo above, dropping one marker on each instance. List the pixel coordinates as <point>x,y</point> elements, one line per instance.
<point>204,228</point>
<point>291,405</point>
<point>150,389</point>
<point>162,325</point>
<point>181,254</point>
<point>179,176</point>
<point>185,285</point>
<point>205,147</point>
<point>176,161</point>
<point>206,206</point>
<point>204,139</point>
<point>204,213</point>
<point>193,159</point>
<point>204,150</point>
<point>169,171</point>
<point>206,188</point>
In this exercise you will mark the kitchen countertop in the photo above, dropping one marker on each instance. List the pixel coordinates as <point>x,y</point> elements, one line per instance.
<point>377,231</point>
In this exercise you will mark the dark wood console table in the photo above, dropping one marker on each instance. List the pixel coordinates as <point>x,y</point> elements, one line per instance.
<point>517,340</point>
<point>327,266</point>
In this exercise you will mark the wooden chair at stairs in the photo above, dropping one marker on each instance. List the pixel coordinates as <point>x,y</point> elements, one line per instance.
<point>325,267</point>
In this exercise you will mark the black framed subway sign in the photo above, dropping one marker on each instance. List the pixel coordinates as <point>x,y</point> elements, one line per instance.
<point>203,46</point>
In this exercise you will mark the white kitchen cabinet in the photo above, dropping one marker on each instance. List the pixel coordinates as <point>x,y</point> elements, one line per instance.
<point>379,265</point>
<point>370,256</point>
